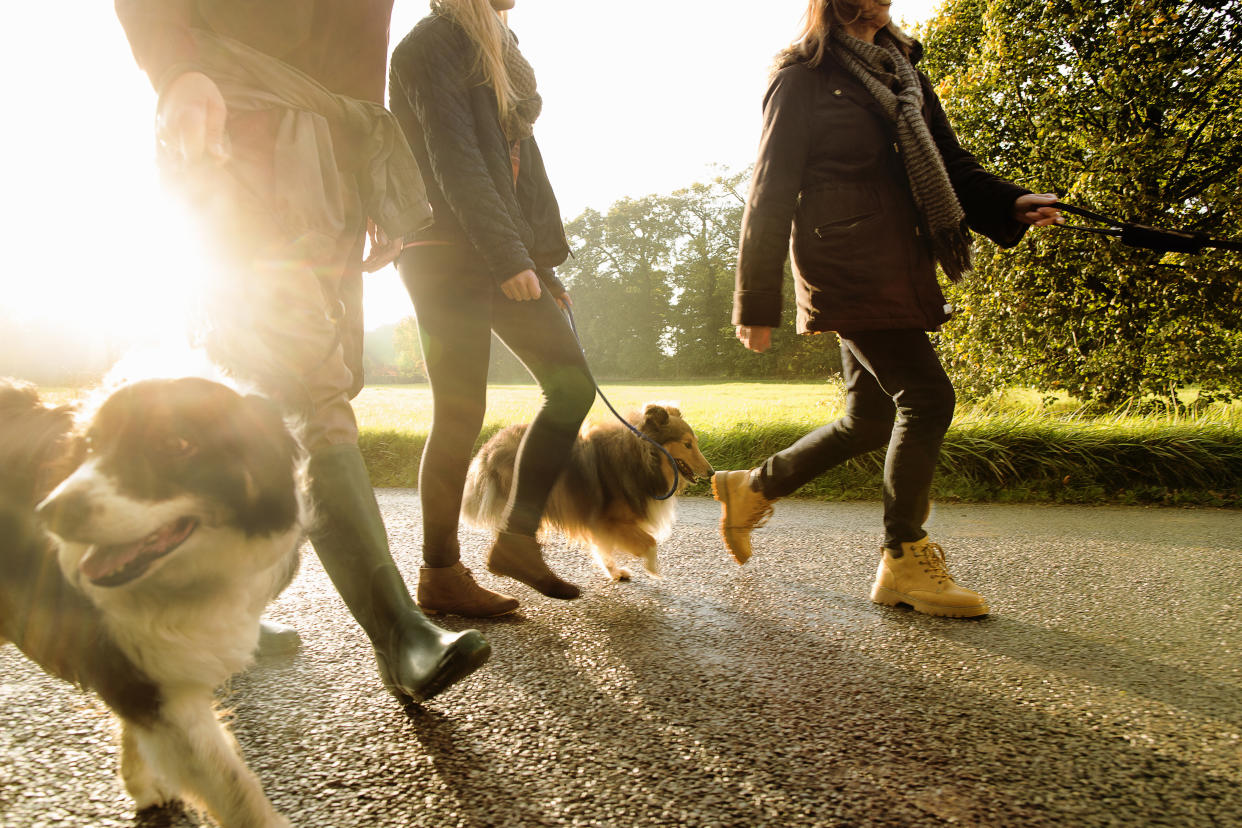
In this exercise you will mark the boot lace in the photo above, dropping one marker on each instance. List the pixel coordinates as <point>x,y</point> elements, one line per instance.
<point>931,558</point>
<point>759,515</point>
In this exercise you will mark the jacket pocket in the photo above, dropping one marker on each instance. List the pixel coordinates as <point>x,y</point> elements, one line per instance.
<point>845,236</point>
<point>827,211</point>
<point>845,224</point>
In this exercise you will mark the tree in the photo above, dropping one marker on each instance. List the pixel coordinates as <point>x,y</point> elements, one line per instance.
<point>408,353</point>
<point>1132,108</point>
<point>619,282</point>
<point>652,284</point>
<point>708,216</point>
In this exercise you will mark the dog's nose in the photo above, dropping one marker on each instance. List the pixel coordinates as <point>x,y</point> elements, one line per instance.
<point>66,512</point>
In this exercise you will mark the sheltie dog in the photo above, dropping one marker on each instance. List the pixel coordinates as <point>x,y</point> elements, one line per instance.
<point>139,544</point>
<point>609,497</point>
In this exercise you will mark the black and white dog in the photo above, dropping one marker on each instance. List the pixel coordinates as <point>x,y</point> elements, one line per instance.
<point>139,544</point>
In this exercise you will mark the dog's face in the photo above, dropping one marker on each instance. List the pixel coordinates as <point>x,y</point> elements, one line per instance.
<point>171,466</point>
<point>663,423</point>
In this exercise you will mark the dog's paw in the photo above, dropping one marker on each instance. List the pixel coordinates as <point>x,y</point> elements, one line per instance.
<point>651,564</point>
<point>150,796</point>
<point>143,785</point>
<point>620,573</point>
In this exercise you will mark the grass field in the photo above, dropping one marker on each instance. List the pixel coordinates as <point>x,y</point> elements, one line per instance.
<point>1014,448</point>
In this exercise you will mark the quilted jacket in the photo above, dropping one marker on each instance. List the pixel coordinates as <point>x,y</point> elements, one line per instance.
<point>450,119</point>
<point>829,166</point>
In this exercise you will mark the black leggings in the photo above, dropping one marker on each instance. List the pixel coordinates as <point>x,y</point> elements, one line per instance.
<point>887,374</point>
<point>457,311</point>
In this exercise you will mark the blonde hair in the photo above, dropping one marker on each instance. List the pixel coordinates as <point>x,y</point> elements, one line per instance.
<point>821,17</point>
<point>488,30</point>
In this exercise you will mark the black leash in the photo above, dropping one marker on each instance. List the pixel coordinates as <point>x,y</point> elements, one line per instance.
<point>1144,237</point>
<point>672,462</point>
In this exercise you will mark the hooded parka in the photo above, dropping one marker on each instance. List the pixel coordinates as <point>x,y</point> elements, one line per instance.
<point>829,166</point>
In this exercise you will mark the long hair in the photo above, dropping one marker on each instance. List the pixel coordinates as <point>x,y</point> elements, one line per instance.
<point>821,17</point>
<point>488,30</point>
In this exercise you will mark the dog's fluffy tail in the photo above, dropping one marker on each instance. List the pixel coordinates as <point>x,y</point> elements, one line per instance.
<point>490,479</point>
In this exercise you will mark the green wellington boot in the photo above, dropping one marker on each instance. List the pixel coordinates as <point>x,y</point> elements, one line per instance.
<point>416,658</point>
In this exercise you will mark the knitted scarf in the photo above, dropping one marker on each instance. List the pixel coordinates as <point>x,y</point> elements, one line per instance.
<point>891,79</point>
<point>527,104</point>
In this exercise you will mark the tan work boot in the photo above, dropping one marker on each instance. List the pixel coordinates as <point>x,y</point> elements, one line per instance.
<point>741,510</point>
<point>921,579</point>
<point>452,590</point>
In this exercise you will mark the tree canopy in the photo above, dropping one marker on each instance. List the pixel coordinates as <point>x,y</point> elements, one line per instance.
<point>1132,108</point>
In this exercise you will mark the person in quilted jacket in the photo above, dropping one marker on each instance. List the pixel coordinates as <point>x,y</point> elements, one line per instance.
<point>467,100</point>
<point>858,159</point>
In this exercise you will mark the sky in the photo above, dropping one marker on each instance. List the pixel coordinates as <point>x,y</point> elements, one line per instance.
<point>640,97</point>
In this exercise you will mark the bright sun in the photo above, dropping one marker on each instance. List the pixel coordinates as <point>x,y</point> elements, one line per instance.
<point>101,256</point>
<point>101,249</point>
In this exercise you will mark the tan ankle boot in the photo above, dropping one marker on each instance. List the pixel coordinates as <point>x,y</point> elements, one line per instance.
<point>921,579</point>
<point>521,558</point>
<point>741,510</point>
<point>452,590</point>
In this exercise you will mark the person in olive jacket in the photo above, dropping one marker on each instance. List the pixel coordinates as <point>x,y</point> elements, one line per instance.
<point>270,121</point>
<point>857,157</point>
<point>467,100</point>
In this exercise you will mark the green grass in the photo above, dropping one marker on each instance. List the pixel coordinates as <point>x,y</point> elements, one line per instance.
<point>1013,448</point>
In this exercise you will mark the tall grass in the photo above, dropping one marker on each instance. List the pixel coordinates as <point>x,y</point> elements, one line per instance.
<point>1013,448</point>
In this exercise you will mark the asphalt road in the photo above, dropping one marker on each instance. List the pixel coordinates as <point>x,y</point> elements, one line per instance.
<point>1104,689</point>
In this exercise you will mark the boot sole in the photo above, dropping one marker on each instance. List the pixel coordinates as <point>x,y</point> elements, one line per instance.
<point>438,612</point>
<point>889,598</point>
<point>738,555</point>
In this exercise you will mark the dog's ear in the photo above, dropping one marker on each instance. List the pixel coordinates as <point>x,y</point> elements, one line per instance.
<point>269,456</point>
<point>673,411</point>
<point>656,415</point>
<point>37,444</point>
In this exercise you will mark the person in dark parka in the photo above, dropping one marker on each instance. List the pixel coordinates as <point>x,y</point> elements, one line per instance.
<point>467,100</point>
<point>858,157</point>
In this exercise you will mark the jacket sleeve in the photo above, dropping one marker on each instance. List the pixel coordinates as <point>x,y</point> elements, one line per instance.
<point>987,199</point>
<point>774,187</point>
<point>159,36</point>
<point>433,73</point>
<point>539,206</point>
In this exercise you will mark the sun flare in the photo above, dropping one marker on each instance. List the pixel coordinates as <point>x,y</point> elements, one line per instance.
<point>100,256</point>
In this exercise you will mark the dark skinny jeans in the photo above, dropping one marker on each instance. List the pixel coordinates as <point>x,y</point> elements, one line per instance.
<point>457,311</point>
<point>887,374</point>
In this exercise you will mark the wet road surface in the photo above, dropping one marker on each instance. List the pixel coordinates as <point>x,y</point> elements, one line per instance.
<point>1104,689</point>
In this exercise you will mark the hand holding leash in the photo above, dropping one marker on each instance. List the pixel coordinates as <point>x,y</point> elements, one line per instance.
<point>1037,209</point>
